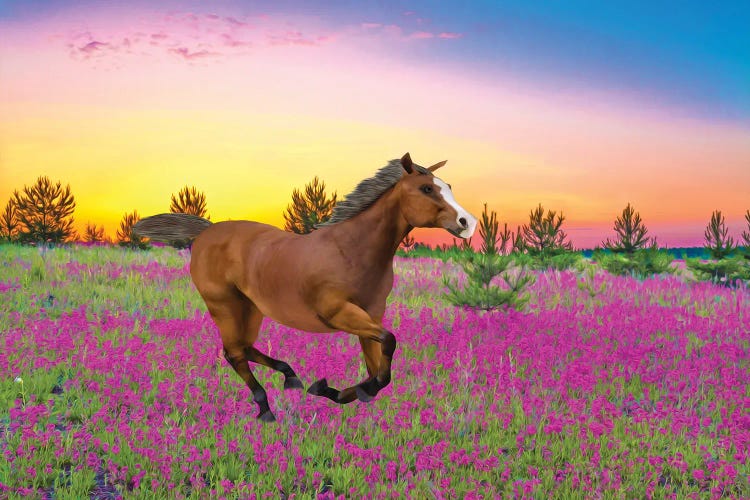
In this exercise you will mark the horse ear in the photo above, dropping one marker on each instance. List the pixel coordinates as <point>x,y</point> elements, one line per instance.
<point>437,165</point>
<point>407,163</point>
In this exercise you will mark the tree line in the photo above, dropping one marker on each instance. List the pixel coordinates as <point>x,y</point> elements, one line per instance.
<point>43,214</point>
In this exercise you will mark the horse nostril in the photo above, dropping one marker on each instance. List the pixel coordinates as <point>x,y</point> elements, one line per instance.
<point>462,221</point>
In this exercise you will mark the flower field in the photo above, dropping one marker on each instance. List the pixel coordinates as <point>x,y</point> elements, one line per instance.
<point>113,384</point>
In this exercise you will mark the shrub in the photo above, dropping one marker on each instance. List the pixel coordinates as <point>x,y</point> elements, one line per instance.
<point>641,263</point>
<point>725,271</point>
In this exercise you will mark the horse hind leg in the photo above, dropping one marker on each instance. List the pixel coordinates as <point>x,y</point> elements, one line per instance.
<point>238,321</point>
<point>291,381</point>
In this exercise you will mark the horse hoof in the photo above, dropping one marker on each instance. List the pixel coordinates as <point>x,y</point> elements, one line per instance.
<point>362,395</point>
<point>267,417</point>
<point>318,388</point>
<point>293,383</point>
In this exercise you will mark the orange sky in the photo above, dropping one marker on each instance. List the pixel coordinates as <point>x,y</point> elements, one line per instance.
<point>128,131</point>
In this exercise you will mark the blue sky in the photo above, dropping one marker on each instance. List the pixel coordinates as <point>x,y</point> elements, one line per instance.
<point>693,56</point>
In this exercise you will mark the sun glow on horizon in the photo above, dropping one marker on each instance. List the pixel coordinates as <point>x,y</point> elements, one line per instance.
<point>128,107</point>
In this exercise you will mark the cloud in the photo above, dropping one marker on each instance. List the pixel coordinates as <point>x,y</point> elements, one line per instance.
<point>185,53</point>
<point>205,36</point>
<point>93,47</point>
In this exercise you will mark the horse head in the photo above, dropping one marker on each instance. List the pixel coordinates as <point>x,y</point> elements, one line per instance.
<point>427,201</point>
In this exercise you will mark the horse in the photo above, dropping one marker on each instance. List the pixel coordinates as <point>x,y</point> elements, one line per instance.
<point>335,278</point>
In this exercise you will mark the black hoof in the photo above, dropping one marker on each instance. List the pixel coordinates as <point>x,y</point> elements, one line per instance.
<point>293,383</point>
<point>362,395</point>
<point>367,390</point>
<point>318,388</point>
<point>267,417</point>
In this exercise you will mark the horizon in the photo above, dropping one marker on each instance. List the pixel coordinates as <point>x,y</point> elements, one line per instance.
<point>582,108</point>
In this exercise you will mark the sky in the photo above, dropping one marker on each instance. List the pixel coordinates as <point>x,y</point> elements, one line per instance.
<point>581,106</point>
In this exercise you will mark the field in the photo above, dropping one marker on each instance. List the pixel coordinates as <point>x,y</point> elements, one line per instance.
<point>113,385</point>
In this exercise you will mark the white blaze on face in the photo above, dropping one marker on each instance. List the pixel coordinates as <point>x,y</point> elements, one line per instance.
<point>469,222</point>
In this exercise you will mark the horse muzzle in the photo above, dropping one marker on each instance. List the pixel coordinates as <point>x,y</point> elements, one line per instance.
<point>463,226</point>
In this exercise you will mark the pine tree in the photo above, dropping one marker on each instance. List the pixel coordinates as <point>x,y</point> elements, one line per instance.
<point>482,267</point>
<point>9,225</point>
<point>746,236</point>
<point>544,235</point>
<point>45,212</point>
<point>126,237</point>
<point>631,233</point>
<point>94,233</point>
<point>408,242</point>
<point>309,208</point>
<point>189,201</point>
<point>718,242</point>
<point>488,228</point>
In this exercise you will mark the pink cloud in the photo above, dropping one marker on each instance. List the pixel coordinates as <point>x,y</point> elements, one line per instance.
<point>185,53</point>
<point>230,41</point>
<point>193,36</point>
<point>93,47</point>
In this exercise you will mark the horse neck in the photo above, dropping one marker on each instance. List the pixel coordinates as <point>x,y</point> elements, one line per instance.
<point>374,235</point>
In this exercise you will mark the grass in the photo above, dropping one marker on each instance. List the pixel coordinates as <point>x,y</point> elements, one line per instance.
<point>113,385</point>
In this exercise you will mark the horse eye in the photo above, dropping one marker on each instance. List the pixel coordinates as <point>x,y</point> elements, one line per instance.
<point>426,189</point>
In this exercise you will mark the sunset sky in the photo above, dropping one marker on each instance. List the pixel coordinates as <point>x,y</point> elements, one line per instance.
<point>580,106</point>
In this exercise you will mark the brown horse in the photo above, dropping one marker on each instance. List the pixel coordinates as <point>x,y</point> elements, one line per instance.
<point>336,278</point>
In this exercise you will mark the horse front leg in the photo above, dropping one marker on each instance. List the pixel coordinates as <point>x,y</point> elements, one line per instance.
<point>353,319</point>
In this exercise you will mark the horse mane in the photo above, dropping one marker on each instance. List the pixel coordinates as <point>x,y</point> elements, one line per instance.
<point>368,191</point>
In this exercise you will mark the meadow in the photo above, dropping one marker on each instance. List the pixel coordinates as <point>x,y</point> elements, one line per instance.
<point>113,384</point>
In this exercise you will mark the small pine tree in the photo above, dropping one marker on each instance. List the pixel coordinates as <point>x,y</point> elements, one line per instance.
<point>309,208</point>
<point>479,292</point>
<point>544,235</point>
<point>408,242</point>
<point>746,236</point>
<point>488,229</point>
<point>189,201</point>
<point>9,222</point>
<point>519,245</point>
<point>481,268</point>
<point>718,242</point>
<point>94,233</point>
<point>126,237</point>
<point>631,233</point>
<point>45,212</point>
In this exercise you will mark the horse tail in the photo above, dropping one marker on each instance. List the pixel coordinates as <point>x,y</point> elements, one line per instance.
<point>171,227</point>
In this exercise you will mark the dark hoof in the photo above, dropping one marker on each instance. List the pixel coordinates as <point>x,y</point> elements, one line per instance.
<point>367,390</point>
<point>293,383</point>
<point>362,395</point>
<point>318,388</point>
<point>267,417</point>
